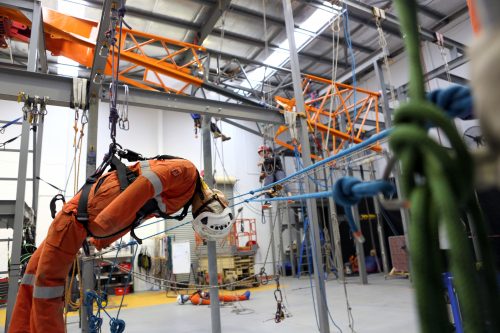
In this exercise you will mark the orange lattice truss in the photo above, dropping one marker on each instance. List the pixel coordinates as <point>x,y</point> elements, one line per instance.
<point>153,57</point>
<point>317,112</point>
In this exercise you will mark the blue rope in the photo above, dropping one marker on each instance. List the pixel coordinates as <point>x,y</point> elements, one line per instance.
<point>2,129</point>
<point>348,191</point>
<point>455,100</point>
<point>94,320</point>
<point>116,325</point>
<point>300,166</point>
<point>373,139</point>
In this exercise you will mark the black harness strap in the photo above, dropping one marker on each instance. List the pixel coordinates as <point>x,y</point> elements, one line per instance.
<point>121,172</point>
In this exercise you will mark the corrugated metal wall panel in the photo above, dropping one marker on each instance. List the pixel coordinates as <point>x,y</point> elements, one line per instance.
<point>183,234</point>
<point>186,233</point>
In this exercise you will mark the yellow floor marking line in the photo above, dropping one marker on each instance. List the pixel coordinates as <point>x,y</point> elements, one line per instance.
<point>152,298</point>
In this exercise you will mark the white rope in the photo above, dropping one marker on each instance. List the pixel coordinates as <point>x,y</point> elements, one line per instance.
<point>442,50</point>
<point>385,51</point>
<point>335,57</point>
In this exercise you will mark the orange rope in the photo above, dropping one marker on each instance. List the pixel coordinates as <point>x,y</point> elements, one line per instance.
<point>474,16</point>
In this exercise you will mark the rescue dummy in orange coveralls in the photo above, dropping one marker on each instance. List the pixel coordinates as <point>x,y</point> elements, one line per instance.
<point>172,183</point>
<point>203,298</point>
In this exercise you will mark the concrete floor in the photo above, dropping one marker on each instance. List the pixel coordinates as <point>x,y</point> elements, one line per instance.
<point>381,306</point>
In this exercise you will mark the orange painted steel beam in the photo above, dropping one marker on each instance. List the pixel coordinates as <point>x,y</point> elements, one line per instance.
<point>74,38</point>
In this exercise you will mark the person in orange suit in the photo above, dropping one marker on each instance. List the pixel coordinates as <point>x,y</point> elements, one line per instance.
<point>173,183</point>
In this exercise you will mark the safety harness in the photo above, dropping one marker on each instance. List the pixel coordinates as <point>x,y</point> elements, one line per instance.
<point>125,178</point>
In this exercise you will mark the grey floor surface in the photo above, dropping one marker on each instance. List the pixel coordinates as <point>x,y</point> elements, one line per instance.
<point>381,306</point>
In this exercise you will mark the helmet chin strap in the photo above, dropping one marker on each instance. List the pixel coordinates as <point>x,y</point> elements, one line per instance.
<point>214,197</point>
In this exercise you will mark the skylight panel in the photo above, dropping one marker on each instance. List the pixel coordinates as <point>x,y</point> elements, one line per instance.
<point>70,8</point>
<point>67,67</point>
<point>304,34</point>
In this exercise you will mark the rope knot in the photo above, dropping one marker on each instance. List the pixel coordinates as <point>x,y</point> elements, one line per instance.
<point>455,100</point>
<point>117,325</point>
<point>343,191</point>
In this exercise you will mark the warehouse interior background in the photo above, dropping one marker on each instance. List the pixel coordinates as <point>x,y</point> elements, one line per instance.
<point>230,62</point>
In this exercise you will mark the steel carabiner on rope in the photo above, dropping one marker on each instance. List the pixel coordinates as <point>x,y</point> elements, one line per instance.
<point>263,276</point>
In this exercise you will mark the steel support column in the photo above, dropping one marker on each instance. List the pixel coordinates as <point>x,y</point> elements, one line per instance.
<point>96,77</point>
<point>88,279</point>
<point>335,232</point>
<point>386,110</point>
<point>59,89</point>
<point>211,245</point>
<point>34,53</point>
<point>281,207</point>
<point>312,209</point>
<point>272,227</point>
<point>360,250</point>
<point>17,239</point>
<point>380,227</point>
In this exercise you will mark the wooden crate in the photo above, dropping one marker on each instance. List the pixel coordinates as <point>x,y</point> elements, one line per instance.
<point>233,268</point>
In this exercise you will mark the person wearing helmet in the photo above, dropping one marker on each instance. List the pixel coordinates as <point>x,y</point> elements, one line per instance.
<point>271,170</point>
<point>171,183</point>
<point>213,128</point>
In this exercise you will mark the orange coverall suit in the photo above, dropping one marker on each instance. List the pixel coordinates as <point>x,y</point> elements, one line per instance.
<point>39,305</point>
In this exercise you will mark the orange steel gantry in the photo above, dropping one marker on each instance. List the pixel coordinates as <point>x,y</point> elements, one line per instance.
<point>74,38</point>
<point>149,62</point>
<point>352,104</point>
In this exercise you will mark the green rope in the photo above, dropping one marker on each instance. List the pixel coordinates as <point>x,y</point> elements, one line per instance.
<point>439,183</point>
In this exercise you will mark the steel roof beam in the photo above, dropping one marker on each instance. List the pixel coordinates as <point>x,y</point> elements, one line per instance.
<point>362,13</point>
<point>216,13</point>
<point>18,4</point>
<point>325,36</point>
<point>59,89</point>
<point>261,44</point>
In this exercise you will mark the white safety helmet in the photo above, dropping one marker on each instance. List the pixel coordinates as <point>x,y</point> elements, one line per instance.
<point>182,299</point>
<point>212,217</point>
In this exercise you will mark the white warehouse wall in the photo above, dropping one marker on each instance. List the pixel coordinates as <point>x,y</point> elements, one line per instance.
<point>151,132</point>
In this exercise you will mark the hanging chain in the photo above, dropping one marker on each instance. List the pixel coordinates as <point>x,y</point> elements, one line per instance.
<point>442,50</point>
<point>280,307</point>
<point>117,14</point>
<point>382,41</point>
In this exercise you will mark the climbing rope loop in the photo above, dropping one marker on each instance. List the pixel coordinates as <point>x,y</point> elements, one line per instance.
<point>439,183</point>
<point>455,100</point>
<point>348,191</point>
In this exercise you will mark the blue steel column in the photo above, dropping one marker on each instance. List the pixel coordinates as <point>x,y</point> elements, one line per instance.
<point>312,209</point>
<point>211,245</point>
